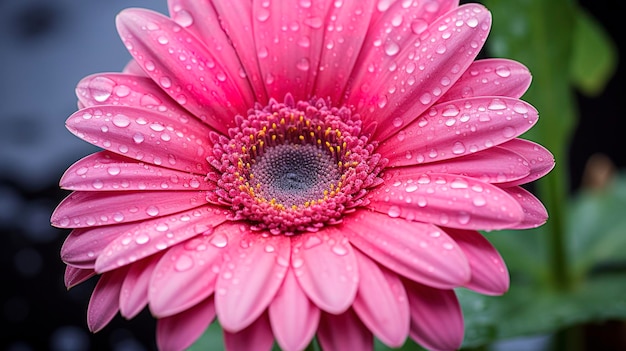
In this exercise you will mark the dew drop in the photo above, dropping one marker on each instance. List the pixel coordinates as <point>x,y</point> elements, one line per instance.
<point>303,64</point>
<point>118,217</point>
<point>219,240</point>
<point>422,202</point>
<point>82,171</point>
<point>152,211</point>
<point>497,105</point>
<point>113,170</point>
<point>339,249</point>
<point>472,22</point>
<point>479,201</point>
<point>459,183</point>
<point>138,138</point>
<point>419,26</point>
<point>165,82</point>
<point>508,132</point>
<point>458,148</point>
<point>262,14</point>
<point>520,108</point>
<point>183,18</point>
<point>149,65</point>
<point>121,121</point>
<point>142,239</point>
<point>101,88</point>
<point>122,91</point>
<point>463,217</point>
<point>411,188</point>
<point>392,48</point>
<point>312,241</point>
<point>503,71</point>
<point>183,263</point>
<point>397,122</point>
<point>394,211</point>
<point>163,40</point>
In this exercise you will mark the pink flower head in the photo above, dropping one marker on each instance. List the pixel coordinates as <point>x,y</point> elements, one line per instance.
<point>300,169</point>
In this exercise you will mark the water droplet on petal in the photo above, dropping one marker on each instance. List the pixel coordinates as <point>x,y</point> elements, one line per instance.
<point>391,48</point>
<point>312,241</point>
<point>152,211</point>
<point>503,71</point>
<point>121,121</point>
<point>394,211</point>
<point>458,148</point>
<point>183,263</point>
<point>101,88</point>
<point>339,249</point>
<point>183,18</point>
<point>508,132</point>
<point>479,201</point>
<point>303,64</point>
<point>263,14</point>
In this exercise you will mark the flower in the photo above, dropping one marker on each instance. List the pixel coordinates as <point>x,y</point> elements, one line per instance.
<point>300,169</point>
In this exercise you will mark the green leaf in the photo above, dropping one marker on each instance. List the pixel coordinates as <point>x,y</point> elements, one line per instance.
<point>597,227</point>
<point>212,339</point>
<point>594,58</point>
<point>526,310</point>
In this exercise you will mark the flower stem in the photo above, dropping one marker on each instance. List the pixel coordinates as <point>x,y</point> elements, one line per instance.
<point>552,189</point>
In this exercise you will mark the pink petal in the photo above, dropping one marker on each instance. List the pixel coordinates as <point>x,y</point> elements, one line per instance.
<point>381,302</point>
<point>344,332</point>
<point>428,13</point>
<point>89,209</point>
<point>178,332</point>
<point>289,38</point>
<point>145,135</point>
<point>257,336</point>
<point>395,97</point>
<point>461,127</point>
<point>493,165</point>
<point>252,273</point>
<point>187,273</point>
<point>236,20</point>
<point>418,251</point>
<point>342,47</point>
<point>106,171</point>
<point>489,273</point>
<point>74,276</point>
<point>491,77</point>
<point>540,159</point>
<point>133,68</point>
<point>202,19</point>
<point>436,317</point>
<point>129,90</point>
<point>84,245</point>
<point>104,301</point>
<point>142,239</point>
<point>134,291</point>
<point>447,200</point>
<point>200,82</point>
<point>535,214</point>
<point>293,316</point>
<point>326,268</point>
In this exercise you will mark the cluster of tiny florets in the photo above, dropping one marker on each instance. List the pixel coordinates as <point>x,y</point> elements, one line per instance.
<point>343,165</point>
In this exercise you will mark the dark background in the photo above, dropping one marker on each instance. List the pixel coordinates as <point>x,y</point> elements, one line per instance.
<point>46,47</point>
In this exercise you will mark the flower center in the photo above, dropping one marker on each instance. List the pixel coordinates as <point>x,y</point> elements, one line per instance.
<point>291,167</point>
<point>294,174</point>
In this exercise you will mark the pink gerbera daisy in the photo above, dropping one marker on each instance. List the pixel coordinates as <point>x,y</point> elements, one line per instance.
<point>300,169</point>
